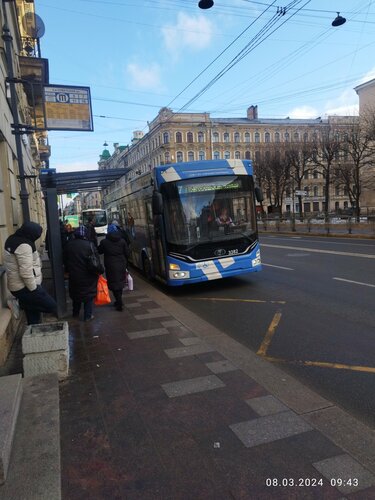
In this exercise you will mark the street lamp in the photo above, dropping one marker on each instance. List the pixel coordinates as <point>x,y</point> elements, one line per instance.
<point>338,21</point>
<point>205,4</point>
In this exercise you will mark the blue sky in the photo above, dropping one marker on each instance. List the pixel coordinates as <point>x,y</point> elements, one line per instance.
<point>137,56</point>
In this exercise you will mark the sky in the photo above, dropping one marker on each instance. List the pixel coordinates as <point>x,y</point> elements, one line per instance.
<point>138,56</point>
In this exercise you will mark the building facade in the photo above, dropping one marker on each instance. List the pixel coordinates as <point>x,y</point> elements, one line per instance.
<point>23,152</point>
<point>177,137</point>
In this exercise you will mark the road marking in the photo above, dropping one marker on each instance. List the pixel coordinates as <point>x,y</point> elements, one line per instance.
<point>354,282</point>
<point>323,364</point>
<point>269,335</point>
<point>329,242</point>
<point>333,252</point>
<point>279,267</point>
<point>240,300</point>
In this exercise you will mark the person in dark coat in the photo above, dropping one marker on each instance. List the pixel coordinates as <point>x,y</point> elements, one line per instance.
<point>82,282</point>
<point>116,252</point>
<point>91,233</point>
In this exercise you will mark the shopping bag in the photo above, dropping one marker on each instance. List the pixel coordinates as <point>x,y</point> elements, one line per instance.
<point>102,293</point>
<point>129,284</point>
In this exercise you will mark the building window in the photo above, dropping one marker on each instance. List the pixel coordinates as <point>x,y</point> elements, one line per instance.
<point>337,206</point>
<point>296,136</point>
<point>227,155</point>
<point>315,174</point>
<point>346,192</point>
<point>178,137</point>
<point>247,155</point>
<point>337,190</point>
<point>257,156</point>
<point>277,137</point>
<point>306,174</point>
<point>307,190</point>
<point>191,156</point>
<point>286,136</point>
<point>166,138</point>
<point>316,191</point>
<point>215,137</point>
<point>167,157</point>
<point>202,155</point>
<point>267,137</point>
<point>257,137</point>
<point>226,137</point>
<point>216,155</point>
<point>305,137</point>
<point>190,137</point>
<point>179,156</point>
<point>237,155</point>
<point>315,206</point>
<point>200,137</point>
<point>247,137</point>
<point>237,137</point>
<point>345,205</point>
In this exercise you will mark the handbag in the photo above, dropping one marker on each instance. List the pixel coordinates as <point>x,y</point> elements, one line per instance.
<point>93,262</point>
<point>102,293</point>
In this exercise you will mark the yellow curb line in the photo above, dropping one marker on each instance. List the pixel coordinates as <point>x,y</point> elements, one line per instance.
<point>323,364</point>
<point>241,300</point>
<point>269,335</point>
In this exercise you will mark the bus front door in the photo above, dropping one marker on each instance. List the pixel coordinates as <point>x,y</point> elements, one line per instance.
<point>158,247</point>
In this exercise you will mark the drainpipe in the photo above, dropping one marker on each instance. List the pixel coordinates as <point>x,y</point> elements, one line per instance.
<point>24,195</point>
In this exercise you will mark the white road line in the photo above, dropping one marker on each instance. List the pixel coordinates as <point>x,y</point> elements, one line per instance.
<point>355,282</point>
<point>279,267</point>
<point>333,252</point>
<point>329,242</point>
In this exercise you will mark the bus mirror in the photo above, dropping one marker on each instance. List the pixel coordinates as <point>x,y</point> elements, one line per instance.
<point>258,194</point>
<point>157,203</point>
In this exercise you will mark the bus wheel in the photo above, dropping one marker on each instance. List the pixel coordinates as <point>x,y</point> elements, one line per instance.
<point>147,268</point>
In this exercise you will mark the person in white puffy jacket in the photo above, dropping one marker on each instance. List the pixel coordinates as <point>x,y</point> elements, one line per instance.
<point>24,273</point>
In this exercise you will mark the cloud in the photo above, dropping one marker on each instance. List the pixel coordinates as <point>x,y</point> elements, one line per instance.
<point>144,77</point>
<point>192,32</point>
<point>346,104</point>
<point>303,112</point>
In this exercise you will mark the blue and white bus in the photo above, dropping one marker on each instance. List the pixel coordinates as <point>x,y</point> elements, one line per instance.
<point>194,221</point>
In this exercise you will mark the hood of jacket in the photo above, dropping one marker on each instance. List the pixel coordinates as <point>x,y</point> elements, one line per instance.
<point>28,233</point>
<point>114,236</point>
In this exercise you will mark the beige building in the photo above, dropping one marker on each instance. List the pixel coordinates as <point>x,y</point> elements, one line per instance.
<point>22,155</point>
<point>366,95</point>
<point>177,137</point>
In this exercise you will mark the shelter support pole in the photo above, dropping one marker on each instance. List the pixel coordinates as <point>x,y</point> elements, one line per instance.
<point>55,250</point>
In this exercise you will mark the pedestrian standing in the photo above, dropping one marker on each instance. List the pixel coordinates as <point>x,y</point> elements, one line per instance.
<point>91,233</point>
<point>82,281</point>
<point>116,253</point>
<point>24,273</point>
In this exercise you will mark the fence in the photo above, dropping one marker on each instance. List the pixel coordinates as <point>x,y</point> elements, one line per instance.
<point>334,225</point>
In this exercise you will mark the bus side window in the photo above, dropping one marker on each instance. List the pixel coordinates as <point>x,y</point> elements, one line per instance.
<point>149,212</point>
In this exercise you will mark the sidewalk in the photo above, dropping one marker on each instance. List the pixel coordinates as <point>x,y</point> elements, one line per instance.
<point>161,405</point>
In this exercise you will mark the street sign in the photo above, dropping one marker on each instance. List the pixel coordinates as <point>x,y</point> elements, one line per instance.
<point>299,192</point>
<point>67,108</point>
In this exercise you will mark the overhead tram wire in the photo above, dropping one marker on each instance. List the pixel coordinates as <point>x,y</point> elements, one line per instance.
<point>247,49</point>
<point>221,53</point>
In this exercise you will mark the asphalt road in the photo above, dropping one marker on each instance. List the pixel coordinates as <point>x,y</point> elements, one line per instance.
<point>311,311</point>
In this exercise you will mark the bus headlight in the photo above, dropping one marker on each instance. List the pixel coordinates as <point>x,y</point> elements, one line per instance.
<point>179,275</point>
<point>257,261</point>
<point>174,267</point>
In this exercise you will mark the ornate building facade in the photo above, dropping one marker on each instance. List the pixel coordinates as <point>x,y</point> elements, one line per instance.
<point>177,137</point>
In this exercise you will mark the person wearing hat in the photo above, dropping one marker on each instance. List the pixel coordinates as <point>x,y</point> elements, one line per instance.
<point>82,282</point>
<point>24,273</point>
<point>116,253</point>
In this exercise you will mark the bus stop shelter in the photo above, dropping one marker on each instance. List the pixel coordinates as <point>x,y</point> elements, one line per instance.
<point>54,184</point>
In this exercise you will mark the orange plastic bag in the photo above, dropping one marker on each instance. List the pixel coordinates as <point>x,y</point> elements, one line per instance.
<point>102,294</point>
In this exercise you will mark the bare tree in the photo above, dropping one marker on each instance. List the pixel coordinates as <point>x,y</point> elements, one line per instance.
<point>327,146</point>
<point>298,156</point>
<point>357,172</point>
<point>272,173</point>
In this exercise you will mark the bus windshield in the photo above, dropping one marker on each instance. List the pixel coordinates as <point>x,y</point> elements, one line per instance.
<point>99,217</point>
<point>209,209</point>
